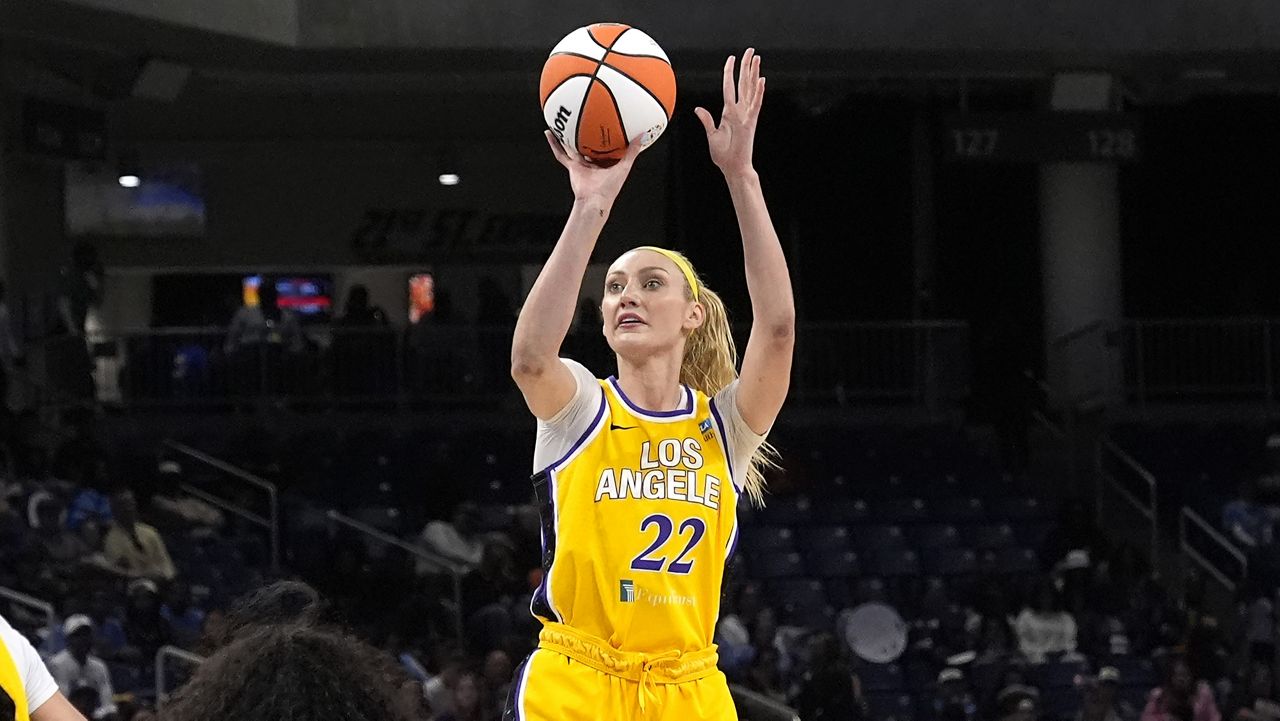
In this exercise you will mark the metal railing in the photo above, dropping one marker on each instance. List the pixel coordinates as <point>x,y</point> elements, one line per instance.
<point>898,362</point>
<point>1124,476</point>
<point>162,678</point>
<point>41,606</point>
<point>435,561</point>
<point>271,523</point>
<point>1209,359</point>
<point>1192,526</point>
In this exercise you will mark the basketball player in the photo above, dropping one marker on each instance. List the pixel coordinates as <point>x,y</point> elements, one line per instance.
<point>638,476</point>
<point>27,689</point>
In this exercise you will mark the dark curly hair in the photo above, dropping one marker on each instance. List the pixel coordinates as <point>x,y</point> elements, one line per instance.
<point>292,672</point>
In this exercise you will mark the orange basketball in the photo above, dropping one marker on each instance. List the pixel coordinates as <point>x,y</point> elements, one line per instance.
<point>604,86</point>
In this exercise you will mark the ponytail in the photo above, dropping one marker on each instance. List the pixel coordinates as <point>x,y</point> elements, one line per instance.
<point>710,364</point>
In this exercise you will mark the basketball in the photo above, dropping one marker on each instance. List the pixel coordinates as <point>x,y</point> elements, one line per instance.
<point>604,86</point>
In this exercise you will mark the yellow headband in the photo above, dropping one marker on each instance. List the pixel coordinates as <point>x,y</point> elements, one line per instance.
<point>681,263</point>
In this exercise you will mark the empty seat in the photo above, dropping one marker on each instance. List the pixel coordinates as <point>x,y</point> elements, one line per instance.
<point>844,511</point>
<point>833,564</point>
<point>901,510</point>
<point>1009,561</point>
<point>891,706</point>
<point>1059,674</point>
<point>987,537</point>
<point>1134,671</point>
<point>769,566</point>
<point>935,535</point>
<point>768,539</point>
<point>882,677</point>
<point>948,562</point>
<point>818,538</point>
<point>963,510</point>
<point>1018,509</point>
<point>789,511</point>
<point>893,562</point>
<point>803,601</point>
<point>874,538</point>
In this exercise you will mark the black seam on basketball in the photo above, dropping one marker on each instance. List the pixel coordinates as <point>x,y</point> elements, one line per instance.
<point>562,82</point>
<point>635,55</point>
<point>577,127</point>
<point>579,55</point>
<point>641,85</point>
<point>618,111</point>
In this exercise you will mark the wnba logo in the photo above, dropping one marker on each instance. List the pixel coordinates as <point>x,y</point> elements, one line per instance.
<point>627,591</point>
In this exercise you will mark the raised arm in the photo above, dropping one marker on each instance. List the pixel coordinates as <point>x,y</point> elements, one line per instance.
<point>544,319</point>
<point>766,364</point>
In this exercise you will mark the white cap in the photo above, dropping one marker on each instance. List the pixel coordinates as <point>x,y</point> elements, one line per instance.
<point>950,674</point>
<point>75,623</point>
<point>1109,674</point>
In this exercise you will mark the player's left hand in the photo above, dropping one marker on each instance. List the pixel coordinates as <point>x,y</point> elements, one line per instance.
<point>731,143</point>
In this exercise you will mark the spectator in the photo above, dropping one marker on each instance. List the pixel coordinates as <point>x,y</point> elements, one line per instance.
<point>1254,698</point>
<point>1182,697</point>
<point>143,625</point>
<point>763,676</point>
<point>497,680</point>
<point>829,689</point>
<point>438,690</point>
<point>91,504</point>
<point>733,633</point>
<point>68,362</point>
<point>467,703</point>
<point>1018,702</point>
<point>995,640</point>
<point>186,620</point>
<point>86,700</point>
<point>264,323</point>
<point>133,548</point>
<point>56,545</point>
<point>954,701</point>
<point>1100,698</point>
<point>456,541</point>
<point>10,359</point>
<point>359,313</point>
<point>293,672</point>
<point>1044,628</point>
<point>76,667</point>
<point>1246,522</point>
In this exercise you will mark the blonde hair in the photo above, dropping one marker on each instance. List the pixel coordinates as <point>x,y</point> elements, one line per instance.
<point>710,364</point>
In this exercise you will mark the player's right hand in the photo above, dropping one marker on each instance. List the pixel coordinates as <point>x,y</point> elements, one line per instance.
<point>592,182</point>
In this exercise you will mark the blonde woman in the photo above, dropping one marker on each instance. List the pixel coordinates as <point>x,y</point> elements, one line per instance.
<point>638,475</point>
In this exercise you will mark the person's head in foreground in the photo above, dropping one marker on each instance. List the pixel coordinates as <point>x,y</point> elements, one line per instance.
<point>292,672</point>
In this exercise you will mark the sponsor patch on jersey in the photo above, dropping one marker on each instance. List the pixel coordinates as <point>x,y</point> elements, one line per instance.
<point>627,591</point>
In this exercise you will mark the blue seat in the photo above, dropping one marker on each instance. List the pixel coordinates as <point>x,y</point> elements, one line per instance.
<point>891,706</point>
<point>818,538</point>
<point>873,538</point>
<point>768,539</point>
<point>768,566</point>
<point>963,510</point>
<point>1134,671</point>
<point>935,535</point>
<point>902,510</point>
<point>844,511</point>
<point>793,510</point>
<point>803,601</point>
<point>1061,702</point>
<point>988,537</point>
<point>1019,509</point>
<point>947,562</point>
<point>1058,674</point>
<point>893,562</point>
<point>882,677</point>
<point>1009,562</point>
<point>833,564</point>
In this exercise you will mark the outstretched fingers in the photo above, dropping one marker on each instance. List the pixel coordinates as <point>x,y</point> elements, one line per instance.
<point>726,84</point>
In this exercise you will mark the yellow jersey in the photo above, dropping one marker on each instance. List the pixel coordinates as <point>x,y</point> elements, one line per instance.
<point>639,515</point>
<point>25,682</point>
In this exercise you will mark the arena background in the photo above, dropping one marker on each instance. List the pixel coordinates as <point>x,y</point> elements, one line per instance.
<point>1033,246</point>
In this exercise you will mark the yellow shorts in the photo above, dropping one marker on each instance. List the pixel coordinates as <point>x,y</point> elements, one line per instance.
<point>572,676</point>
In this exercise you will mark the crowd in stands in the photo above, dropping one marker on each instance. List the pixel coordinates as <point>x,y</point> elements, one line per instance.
<point>132,565</point>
